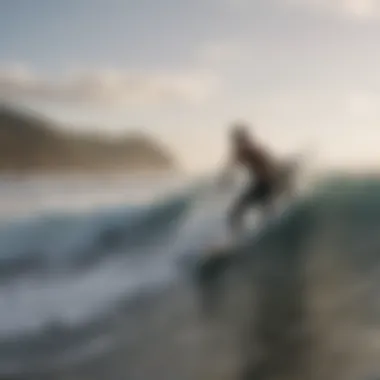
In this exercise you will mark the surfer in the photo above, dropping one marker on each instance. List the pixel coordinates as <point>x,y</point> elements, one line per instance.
<point>258,162</point>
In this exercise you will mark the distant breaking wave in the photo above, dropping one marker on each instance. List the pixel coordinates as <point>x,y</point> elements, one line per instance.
<point>69,242</point>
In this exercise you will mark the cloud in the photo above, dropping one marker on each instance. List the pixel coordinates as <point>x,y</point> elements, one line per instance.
<point>358,9</point>
<point>108,87</point>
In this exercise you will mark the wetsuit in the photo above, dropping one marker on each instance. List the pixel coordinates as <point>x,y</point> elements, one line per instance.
<point>260,188</point>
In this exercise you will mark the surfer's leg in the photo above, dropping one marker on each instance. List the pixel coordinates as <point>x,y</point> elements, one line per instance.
<point>248,199</point>
<point>266,199</point>
<point>257,194</point>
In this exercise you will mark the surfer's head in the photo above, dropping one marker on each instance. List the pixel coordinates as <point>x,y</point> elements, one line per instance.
<point>239,133</point>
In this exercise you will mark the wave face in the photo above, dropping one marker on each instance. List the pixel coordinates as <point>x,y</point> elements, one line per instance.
<point>63,270</point>
<point>109,292</point>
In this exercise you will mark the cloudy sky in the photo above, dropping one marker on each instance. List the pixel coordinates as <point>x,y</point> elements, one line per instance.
<point>303,72</point>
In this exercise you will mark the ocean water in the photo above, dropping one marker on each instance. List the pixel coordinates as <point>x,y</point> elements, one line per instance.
<point>73,249</point>
<point>104,278</point>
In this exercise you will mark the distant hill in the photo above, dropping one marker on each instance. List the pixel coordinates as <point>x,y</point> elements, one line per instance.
<point>30,143</point>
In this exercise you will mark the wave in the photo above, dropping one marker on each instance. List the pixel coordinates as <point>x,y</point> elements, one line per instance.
<point>75,242</point>
<point>330,234</point>
<point>345,208</point>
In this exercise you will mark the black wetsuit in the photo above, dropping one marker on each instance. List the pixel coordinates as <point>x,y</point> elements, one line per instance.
<point>260,189</point>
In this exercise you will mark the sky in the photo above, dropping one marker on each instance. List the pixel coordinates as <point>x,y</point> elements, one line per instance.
<point>303,73</point>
